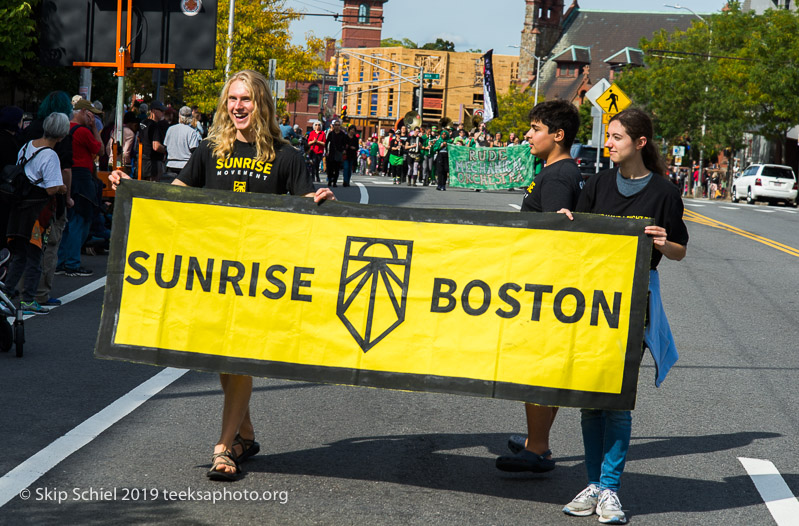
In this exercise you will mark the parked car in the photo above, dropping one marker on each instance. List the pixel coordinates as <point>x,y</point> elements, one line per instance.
<point>585,157</point>
<point>766,182</point>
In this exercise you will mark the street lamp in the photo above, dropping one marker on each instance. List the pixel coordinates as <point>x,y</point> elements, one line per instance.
<point>537,69</point>
<point>704,102</point>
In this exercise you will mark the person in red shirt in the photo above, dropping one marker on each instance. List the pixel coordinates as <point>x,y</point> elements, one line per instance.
<point>316,143</point>
<point>85,147</point>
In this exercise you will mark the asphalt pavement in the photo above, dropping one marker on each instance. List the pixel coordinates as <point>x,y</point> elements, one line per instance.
<point>339,455</point>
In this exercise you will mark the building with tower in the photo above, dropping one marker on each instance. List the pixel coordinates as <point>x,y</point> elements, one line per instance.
<point>362,23</point>
<point>577,47</point>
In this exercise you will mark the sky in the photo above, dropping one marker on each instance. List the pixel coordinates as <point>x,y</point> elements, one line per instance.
<point>469,24</point>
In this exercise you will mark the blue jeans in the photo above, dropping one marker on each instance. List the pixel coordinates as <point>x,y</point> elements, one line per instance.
<point>606,437</point>
<point>75,236</point>
<point>348,171</point>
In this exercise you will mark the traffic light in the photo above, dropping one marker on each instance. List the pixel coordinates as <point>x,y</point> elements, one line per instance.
<point>344,112</point>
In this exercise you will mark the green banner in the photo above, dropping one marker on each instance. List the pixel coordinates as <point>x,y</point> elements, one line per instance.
<point>492,168</point>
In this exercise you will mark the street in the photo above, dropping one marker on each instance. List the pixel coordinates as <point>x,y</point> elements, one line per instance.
<point>340,455</point>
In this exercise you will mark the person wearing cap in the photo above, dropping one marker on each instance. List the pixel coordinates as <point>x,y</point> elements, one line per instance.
<point>181,140</point>
<point>152,132</point>
<point>86,145</point>
<point>98,118</point>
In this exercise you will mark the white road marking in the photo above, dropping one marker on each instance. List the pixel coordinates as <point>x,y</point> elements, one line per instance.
<point>782,504</point>
<point>72,296</point>
<point>697,205</point>
<point>787,211</point>
<point>40,463</point>
<point>730,207</point>
<point>364,194</point>
<point>514,205</point>
<point>764,210</point>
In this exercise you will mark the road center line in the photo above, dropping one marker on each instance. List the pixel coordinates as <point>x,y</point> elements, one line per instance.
<point>690,215</point>
<point>782,504</point>
<point>40,463</point>
<point>364,194</point>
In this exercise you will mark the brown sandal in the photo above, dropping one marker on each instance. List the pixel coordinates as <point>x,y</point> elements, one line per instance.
<point>248,448</point>
<point>224,458</point>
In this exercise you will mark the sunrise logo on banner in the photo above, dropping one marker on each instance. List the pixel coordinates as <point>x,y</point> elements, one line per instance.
<point>373,287</point>
<point>529,307</point>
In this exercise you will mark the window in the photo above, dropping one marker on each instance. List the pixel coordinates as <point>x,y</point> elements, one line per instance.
<point>373,105</point>
<point>390,102</point>
<point>313,95</point>
<point>363,14</point>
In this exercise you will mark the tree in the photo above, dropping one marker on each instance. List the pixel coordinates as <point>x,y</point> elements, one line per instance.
<point>514,112</point>
<point>261,33</point>
<point>17,33</point>
<point>393,42</point>
<point>585,133</point>
<point>740,77</point>
<point>439,45</point>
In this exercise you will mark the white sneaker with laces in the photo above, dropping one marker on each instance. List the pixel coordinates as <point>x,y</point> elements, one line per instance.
<point>584,504</point>
<point>609,508</point>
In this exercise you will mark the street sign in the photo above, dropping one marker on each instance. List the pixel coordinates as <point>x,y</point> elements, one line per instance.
<point>606,117</point>
<point>336,88</point>
<point>596,91</point>
<point>678,151</point>
<point>430,76</point>
<point>678,161</point>
<point>613,100</point>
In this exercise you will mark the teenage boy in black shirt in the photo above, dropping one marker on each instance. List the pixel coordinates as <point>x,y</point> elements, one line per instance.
<point>235,157</point>
<point>553,126</point>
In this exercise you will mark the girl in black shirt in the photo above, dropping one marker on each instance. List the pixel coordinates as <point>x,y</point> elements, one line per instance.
<point>637,187</point>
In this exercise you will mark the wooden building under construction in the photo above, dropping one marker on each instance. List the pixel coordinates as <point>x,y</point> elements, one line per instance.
<point>380,85</point>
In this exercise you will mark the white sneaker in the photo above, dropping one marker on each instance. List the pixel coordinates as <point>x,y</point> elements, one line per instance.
<point>609,508</point>
<point>584,504</point>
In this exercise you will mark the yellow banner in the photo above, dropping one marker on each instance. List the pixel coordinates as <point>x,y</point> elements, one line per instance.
<point>435,303</point>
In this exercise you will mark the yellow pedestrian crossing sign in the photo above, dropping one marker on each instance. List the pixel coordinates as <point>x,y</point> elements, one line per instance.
<point>613,100</point>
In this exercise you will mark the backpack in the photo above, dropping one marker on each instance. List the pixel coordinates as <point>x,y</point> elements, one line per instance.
<point>14,183</point>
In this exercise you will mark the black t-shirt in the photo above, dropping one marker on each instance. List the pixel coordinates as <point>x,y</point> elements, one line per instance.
<point>395,147</point>
<point>9,149</point>
<point>243,173</point>
<point>557,186</point>
<point>659,200</point>
<point>150,131</point>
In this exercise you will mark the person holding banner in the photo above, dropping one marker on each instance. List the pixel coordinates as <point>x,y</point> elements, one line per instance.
<point>553,127</point>
<point>638,186</point>
<point>244,127</point>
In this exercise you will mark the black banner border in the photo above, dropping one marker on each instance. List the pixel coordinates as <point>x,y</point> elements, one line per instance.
<point>586,223</point>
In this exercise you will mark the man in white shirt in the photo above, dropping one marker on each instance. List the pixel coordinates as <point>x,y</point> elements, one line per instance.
<point>181,140</point>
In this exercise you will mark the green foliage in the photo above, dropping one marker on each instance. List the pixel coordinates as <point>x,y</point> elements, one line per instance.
<point>474,51</point>
<point>393,42</point>
<point>17,33</point>
<point>261,32</point>
<point>584,134</point>
<point>514,111</point>
<point>439,45</point>
<point>741,77</point>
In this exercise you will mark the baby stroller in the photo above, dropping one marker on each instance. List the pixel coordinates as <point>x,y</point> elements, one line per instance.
<point>10,335</point>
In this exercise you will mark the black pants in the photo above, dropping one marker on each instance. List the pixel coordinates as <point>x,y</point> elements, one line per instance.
<point>442,168</point>
<point>26,260</point>
<point>316,160</point>
<point>333,167</point>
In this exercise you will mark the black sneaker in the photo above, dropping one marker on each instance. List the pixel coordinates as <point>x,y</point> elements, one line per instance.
<point>78,272</point>
<point>60,271</point>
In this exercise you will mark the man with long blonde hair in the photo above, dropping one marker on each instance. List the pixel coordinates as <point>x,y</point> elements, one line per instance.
<point>245,127</point>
